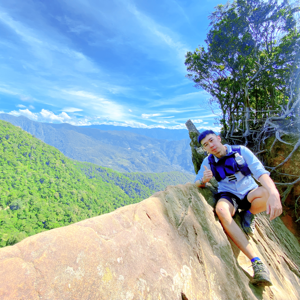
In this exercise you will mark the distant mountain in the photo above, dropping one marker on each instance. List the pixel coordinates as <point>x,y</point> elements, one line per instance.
<point>122,151</point>
<point>156,133</point>
<point>41,189</point>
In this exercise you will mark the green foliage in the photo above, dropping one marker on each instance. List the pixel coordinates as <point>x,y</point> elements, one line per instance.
<point>41,189</point>
<point>158,181</point>
<point>249,58</point>
<point>136,185</point>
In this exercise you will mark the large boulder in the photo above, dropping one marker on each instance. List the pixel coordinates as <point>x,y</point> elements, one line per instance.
<point>169,246</point>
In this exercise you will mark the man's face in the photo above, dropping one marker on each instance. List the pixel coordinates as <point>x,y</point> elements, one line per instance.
<point>212,144</point>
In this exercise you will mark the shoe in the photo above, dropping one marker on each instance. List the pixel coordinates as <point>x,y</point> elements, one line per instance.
<point>261,275</point>
<point>248,222</point>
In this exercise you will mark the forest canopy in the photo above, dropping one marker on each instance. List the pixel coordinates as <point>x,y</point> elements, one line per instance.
<point>41,189</point>
<point>249,66</point>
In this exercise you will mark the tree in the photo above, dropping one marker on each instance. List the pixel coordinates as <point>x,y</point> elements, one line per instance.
<point>250,54</point>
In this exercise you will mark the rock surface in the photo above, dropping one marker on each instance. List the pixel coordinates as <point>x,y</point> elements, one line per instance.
<point>169,246</point>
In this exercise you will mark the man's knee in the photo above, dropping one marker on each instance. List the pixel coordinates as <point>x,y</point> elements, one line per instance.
<point>223,210</point>
<point>259,192</point>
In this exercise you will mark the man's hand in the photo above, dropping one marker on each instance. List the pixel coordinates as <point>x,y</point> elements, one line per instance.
<point>207,175</point>
<point>274,207</point>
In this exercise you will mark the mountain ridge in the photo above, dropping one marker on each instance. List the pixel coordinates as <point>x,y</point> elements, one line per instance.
<point>156,133</point>
<point>120,150</point>
<point>41,189</point>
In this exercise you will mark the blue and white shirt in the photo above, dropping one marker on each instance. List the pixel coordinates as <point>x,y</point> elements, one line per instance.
<point>243,184</point>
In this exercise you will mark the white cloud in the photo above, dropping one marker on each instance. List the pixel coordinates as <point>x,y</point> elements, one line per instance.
<point>24,98</point>
<point>211,115</point>
<point>65,115</point>
<point>43,115</point>
<point>179,126</point>
<point>21,106</point>
<point>97,104</point>
<point>88,96</point>
<point>163,122</point>
<point>48,49</point>
<point>31,106</point>
<point>83,94</point>
<point>7,91</point>
<point>114,89</point>
<point>71,109</point>
<point>79,122</point>
<point>12,91</point>
<point>176,111</point>
<point>50,116</point>
<point>196,98</point>
<point>214,128</point>
<point>133,124</point>
<point>159,32</point>
<point>147,116</point>
<point>26,113</point>
<point>129,110</point>
<point>197,121</point>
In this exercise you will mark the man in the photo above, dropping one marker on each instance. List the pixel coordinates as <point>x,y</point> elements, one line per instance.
<point>232,166</point>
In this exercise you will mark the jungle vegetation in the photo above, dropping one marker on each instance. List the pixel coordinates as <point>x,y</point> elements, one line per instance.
<point>41,189</point>
<point>249,66</point>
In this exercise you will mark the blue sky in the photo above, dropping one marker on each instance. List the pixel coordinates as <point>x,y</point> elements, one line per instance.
<point>89,62</point>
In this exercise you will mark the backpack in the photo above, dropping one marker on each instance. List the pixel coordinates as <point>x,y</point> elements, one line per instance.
<point>227,165</point>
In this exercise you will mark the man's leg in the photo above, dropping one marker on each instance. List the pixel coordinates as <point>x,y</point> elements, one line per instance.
<point>253,203</point>
<point>258,199</point>
<point>225,211</point>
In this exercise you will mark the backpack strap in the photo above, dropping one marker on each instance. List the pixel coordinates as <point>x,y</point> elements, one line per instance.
<point>218,175</point>
<point>237,149</point>
<point>244,169</point>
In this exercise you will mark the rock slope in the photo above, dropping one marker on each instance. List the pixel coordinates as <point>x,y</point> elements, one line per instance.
<point>169,246</point>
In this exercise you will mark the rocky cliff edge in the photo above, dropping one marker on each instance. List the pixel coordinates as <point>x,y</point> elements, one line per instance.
<point>169,246</point>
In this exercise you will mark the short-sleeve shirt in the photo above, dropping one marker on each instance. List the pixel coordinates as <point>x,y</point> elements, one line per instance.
<point>243,184</point>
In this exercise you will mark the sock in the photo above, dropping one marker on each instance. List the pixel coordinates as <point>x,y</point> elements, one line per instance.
<point>254,259</point>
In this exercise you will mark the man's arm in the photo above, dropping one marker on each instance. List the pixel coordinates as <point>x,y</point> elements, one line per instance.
<point>254,164</point>
<point>274,207</point>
